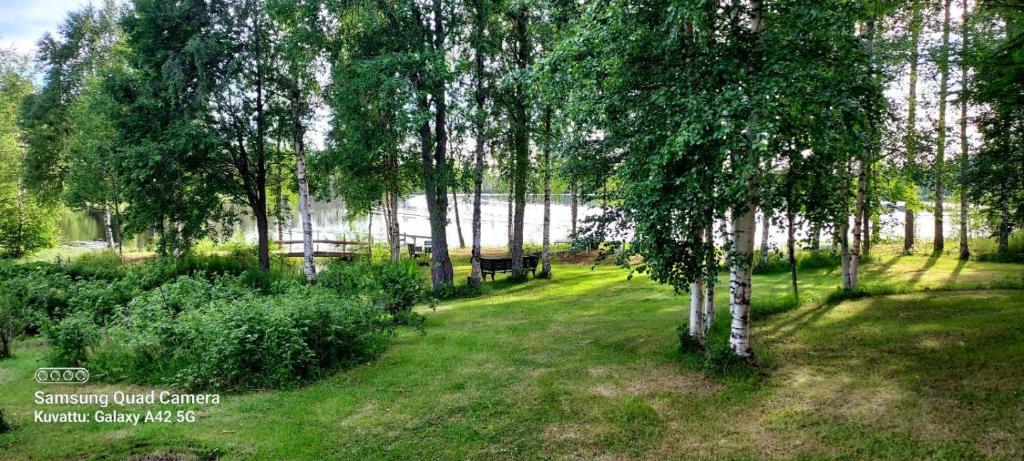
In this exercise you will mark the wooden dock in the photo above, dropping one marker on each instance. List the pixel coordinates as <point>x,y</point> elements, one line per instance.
<point>339,249</point>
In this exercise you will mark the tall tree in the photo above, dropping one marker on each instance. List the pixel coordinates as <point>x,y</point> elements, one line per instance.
<point>66,152</point>
<point>482,40</point>
<point>916,23</point>
<point>520,118</point>
<point>939,243</point>
<point>26,225</point>
<point>965,250</point>
<point>298,45</point>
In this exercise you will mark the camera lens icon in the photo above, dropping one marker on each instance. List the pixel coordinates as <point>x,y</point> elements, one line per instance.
<point>61,375</point>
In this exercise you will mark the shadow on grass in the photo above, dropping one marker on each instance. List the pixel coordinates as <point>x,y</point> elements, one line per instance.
<point>934,258</point>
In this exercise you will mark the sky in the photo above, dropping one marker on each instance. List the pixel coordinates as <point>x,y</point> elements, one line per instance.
<point>23,22</point>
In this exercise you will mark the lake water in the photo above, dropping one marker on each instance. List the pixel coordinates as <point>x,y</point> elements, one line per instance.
<point>329,222</point>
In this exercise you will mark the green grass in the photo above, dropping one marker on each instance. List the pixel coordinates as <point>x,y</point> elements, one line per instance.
<point>586,366</point>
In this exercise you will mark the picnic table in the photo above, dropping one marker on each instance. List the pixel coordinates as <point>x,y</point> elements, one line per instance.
<point>504,265</point>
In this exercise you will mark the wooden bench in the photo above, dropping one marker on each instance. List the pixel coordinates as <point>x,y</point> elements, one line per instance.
<point>504,265</point>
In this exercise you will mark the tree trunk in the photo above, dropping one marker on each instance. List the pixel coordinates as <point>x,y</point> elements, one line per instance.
<point>791,251</point>
<point>458,221</point>
<point>1004,221</point>
<point>520,120</point>
<point>263,241</point>
<point>766,226</point>
<point>853,264</point>
<point>279,203</point>
<point>108,229</point>
<point>511,212</point>
<point>965,250</point>
<point>710,282</point>
<point>842,236</point>
<point>860,203</point>
<point>911,141</point>
<point>939,243</point>
<point>480,128</point>
<point>298,133</point>
<point>696,327</point>
<point>743,224</point>
<point>815,243</point>
<point>5,345</point>
<point>546,250</point>
<point>574,206</point>
<point>744,221</point>
<point>435,162</point>
<point>391,223</point>
<point>120,229</point>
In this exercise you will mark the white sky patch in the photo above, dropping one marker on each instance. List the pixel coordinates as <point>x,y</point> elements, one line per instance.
<point>23,22</point>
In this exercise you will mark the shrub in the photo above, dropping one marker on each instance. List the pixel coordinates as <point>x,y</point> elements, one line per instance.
<point>100,298</point>
<point>688,343</point>
<point>396,286</point>
<point>721,361</point>
<point>72,338</point>
<point>4,425</point>
<point>14,318</point>
<point>241,343</point>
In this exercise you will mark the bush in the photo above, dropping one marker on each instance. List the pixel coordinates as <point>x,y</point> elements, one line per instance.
<point>396,286</point>
<point>808,259</point>
<point>241,343</point>
<point>14,318</point>
<point>72,339</point>
<point>721,361</point>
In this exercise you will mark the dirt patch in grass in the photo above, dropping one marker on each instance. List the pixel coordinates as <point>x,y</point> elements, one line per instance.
<point>676,381</point>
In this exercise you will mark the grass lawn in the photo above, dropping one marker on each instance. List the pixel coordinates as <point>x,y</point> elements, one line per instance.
<point>586,366</point>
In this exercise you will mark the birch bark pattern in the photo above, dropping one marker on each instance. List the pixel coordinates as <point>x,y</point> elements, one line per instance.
<point>852,267</point>
<point>766,226</point>
<point>458,221</point>
<point>696,327</point>
<point>709,295</point>
<point>108,229</point>
<point>743,223</point>
<point>300,175</point>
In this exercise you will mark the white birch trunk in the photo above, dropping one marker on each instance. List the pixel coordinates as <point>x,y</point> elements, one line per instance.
<point>458,221</point>
<point>766,226</point>
<point>744,221</point>
<point>107,227</point>
<point>697,311</point>
<point>743,224</point>
<point>300,176</point>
